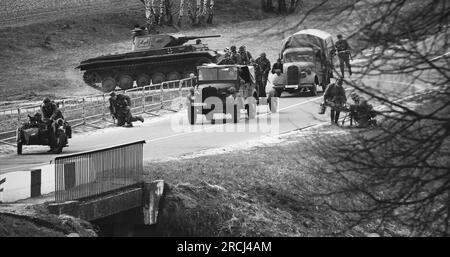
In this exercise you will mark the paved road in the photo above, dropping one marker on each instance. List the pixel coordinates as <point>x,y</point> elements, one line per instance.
<point>172,136</point>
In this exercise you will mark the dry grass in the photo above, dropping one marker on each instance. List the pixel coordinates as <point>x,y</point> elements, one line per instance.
<point>265,191</point>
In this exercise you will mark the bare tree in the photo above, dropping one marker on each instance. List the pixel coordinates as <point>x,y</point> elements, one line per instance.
<point>399,173</point>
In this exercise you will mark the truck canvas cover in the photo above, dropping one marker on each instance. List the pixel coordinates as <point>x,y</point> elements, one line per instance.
<point>317,39</point>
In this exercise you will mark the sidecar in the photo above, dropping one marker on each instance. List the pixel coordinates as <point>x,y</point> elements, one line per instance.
<point>38,134</point>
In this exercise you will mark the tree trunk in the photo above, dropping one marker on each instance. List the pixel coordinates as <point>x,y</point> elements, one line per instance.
<point>282,6</point>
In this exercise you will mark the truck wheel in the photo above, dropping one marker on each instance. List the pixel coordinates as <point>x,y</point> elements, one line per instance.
<point>192,115</point>
<point>236,115</point>
<point>19,148</point>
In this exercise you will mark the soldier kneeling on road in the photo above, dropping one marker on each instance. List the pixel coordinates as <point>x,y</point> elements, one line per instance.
<point>119,106</point>
<point>362,112</point>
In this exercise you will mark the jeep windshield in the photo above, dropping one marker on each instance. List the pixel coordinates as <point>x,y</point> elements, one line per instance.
<point>209,74</point>
<point>298,57</point>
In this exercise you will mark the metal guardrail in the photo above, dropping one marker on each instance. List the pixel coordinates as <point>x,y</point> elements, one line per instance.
<point>89,110</point>
<point>95,173</point>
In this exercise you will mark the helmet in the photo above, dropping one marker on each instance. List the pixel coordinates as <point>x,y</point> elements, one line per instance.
<point>354,96</point>
<point>47,100</point>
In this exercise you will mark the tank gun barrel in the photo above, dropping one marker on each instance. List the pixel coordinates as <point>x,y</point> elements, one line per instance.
<point>198,37</point>
<point>178,41</point>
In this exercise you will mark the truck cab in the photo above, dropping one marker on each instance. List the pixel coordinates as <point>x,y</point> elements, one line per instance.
<point>307,61</point>
<point>226,89</point>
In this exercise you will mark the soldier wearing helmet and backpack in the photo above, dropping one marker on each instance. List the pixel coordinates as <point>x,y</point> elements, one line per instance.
<point>334,97</point>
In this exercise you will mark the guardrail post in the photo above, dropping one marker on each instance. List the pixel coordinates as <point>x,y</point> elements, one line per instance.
<point>180,92</point>
<point>18,117</point>
<point>106,110</point>
<point>162,97</point>
<point>83,111</point>
<point>143,99</point>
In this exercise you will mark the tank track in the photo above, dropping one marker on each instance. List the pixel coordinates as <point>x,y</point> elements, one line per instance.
<point>88,82</point>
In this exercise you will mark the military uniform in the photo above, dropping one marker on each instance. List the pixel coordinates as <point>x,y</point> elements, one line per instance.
<point>277,66</point>
<point>245,57</point>
<point>264,68</point>
<point>51,112</point>
<point>343,52</point>
<point>120,109</point>
<point>235,58</point>
<point>334,97</point>
<point>361,112</point>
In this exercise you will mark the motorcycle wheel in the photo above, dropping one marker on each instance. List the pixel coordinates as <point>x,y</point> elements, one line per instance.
<point>61,141</point>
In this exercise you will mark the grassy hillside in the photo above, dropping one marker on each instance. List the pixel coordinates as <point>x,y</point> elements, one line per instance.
<point>40,59</point>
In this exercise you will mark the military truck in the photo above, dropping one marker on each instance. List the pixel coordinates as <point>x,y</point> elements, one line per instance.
<point>308,63</point>
<point>155,58</point>
<point>224,89</point>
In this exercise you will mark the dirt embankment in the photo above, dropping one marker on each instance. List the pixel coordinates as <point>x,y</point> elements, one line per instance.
<point>269,190</point>
<point>25,220</point>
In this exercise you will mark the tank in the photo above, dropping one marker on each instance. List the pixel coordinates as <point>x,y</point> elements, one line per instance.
<point>154,58</point>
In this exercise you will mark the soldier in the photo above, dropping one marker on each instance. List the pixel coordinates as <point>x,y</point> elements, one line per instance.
<point>246,57</point>
<point>226,57</point>
<point>50,112</point>
<point>277,66</point>
<point>264,68</point>
<point>120,110</point>
<point>343,51</point>
<point>361,111</point>
<point>334,97</point>
<point>235,57</point>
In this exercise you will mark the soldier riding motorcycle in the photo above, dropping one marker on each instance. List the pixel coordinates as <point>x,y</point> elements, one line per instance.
<point>48,129</point>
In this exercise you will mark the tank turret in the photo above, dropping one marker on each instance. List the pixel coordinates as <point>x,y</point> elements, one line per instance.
<point>150,41</point>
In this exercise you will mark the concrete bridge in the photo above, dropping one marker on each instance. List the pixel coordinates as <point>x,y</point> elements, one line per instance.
<point>104,186</point>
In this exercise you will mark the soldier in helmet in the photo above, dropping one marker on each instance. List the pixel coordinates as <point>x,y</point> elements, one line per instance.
<point>263,65</point>
<point>361,111</point>
<point>246,57</point>
<point>234,55</point>
<point>334,97</point>
<point>50,113</point>
<point>120,110</point>
<point>277,66</point>
<point>343,52</point>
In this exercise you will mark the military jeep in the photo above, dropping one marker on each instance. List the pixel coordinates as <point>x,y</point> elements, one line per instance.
<point>225,89</point>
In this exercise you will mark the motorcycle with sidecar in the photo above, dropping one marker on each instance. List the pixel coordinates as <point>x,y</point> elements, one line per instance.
<point>36,132</point>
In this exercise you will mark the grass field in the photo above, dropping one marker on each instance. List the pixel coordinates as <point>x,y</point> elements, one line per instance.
<point>269,190</point>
